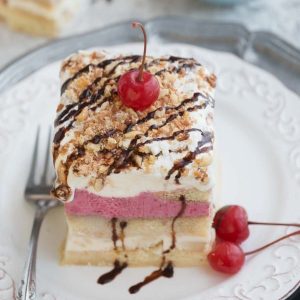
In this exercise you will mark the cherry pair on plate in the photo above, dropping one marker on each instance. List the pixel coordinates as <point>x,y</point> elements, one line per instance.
<point>232,228</point>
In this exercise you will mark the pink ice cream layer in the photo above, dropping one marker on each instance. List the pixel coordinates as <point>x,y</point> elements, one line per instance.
<point>144,205</point>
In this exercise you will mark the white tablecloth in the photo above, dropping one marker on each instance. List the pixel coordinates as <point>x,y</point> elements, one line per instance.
<point>279,16</point>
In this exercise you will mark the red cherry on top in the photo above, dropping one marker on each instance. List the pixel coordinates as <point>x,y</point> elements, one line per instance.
<point>226,257</point>
<point>138,89</point>
<point>231,224</point>
<point>138,94</point>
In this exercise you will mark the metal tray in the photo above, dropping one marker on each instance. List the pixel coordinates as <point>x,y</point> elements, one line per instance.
<point>263,49</point>
<point>260,48</point>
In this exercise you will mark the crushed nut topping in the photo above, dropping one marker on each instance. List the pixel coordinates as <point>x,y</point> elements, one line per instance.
<point>96,135</point>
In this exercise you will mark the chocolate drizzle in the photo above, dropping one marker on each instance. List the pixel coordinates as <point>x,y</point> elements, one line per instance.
<point>151,114</point>
<point>190,156</point>
<point>124,155</point>
<point>93,98</point>
<point>176,115</point>
<point>87,98</point>
<point>111,275</point>
<point>63,191</point>
<point>80,151</point>
<point>59,135</point>
<point>179,214</point>
<point>118,266</point>
<point>114,235</point>
<point>102,65</point>
<point>65,85</point>
<point>72,111</point>
<point>167,271</point>
<point>123,225</point>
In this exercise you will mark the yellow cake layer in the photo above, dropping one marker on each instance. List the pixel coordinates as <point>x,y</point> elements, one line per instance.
<point>190,194</point>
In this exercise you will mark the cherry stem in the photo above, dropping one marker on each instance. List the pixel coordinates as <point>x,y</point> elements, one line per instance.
<point>273,224</point>
<point>135,25</point>
<point>274,242</point>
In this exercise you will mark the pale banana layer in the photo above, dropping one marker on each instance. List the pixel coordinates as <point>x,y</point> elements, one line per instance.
<point>136,258</point>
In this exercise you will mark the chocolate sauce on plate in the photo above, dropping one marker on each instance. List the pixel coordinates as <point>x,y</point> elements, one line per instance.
<point>111,275</point>
<point>167,272</point>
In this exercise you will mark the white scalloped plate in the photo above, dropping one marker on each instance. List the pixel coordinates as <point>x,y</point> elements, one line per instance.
<point>258,132</point>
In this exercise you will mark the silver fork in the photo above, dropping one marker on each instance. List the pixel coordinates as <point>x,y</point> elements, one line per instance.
<point>39,195</point>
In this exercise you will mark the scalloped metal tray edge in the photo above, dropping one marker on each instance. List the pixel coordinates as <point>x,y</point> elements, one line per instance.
<point>263,49</point>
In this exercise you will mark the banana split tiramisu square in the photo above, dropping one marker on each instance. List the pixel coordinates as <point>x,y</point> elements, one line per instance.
<point>137,184</point>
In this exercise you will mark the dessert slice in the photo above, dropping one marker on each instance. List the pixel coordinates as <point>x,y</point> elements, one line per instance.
<point>39,17</point>
<point>137,185</point>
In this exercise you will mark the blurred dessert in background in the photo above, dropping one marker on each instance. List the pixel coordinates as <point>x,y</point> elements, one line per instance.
<point>40,17</point>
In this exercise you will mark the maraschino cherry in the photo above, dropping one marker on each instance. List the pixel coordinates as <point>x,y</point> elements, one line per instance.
<point>138,89</point>
<point>232,225</point>
<point>227,257</point>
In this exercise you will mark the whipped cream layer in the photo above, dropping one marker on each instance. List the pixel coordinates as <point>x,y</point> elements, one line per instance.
<point>145,205</point>
<point>78,242</point>
<point>58,10</point>
<point>113,151</point>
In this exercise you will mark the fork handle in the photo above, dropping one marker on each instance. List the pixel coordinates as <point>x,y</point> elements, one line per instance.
<point>27,288</point>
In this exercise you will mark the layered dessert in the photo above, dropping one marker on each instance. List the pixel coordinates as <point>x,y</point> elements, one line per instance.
<point>40,17</point>
<point>138,185</point>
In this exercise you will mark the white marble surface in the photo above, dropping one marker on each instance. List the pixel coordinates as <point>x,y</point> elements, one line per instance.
<point>279,16</point>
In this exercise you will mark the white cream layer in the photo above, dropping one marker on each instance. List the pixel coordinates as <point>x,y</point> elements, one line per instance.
<point>134,182</point>
<point>78,243</point>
